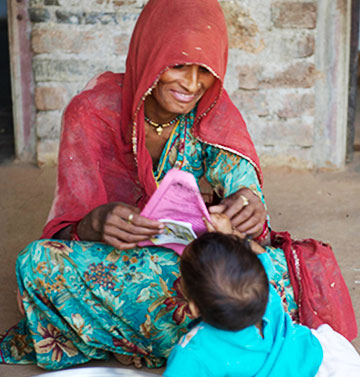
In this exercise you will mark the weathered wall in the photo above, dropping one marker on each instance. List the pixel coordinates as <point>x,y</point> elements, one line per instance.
<point>272,73</point>
<point>271,77</point>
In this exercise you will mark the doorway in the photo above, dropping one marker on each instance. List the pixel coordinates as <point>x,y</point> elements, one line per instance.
<point>357,121</point>
<point>357,108</point>
<point>353,130</point>
<point>7,148</point>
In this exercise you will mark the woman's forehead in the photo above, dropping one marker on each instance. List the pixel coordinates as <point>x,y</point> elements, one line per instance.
<point>186,32</point>
<point>199,64</point>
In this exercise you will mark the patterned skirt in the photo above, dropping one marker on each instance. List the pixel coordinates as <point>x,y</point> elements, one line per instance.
<point>86,300</point>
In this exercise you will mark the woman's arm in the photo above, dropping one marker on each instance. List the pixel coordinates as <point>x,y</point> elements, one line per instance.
<point>116,224</point>
<point>94,194</point>
<point>234,179</point>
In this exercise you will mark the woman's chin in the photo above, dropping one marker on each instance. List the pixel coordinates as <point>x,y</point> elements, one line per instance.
<point>183,108</point>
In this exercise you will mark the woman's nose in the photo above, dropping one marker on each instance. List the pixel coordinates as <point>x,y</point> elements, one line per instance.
<point>192,78</point>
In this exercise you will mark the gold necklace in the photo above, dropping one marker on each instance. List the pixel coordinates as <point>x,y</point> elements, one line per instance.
<point>159,127</point>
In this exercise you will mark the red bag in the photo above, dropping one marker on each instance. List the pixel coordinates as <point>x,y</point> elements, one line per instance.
<point>319,287</point>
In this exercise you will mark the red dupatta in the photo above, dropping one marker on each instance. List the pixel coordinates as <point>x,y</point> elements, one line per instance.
<point>102,156</point>
<point>319,287</point>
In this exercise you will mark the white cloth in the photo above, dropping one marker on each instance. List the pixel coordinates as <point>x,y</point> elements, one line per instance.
<point>340,357</point>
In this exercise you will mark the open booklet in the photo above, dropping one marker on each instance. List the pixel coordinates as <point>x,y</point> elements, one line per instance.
<point>178,203</point>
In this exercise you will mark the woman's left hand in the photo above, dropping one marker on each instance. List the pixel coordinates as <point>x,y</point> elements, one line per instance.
<point>245,210</point>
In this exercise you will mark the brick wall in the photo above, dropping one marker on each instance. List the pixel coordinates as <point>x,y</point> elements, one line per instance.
<point>271,72</point>
<point>271,75</point>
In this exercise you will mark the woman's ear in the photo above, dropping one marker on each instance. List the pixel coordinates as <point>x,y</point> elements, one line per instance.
<point>194,309</point>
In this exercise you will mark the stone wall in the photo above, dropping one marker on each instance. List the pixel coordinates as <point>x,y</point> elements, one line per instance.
<point>271,73</point>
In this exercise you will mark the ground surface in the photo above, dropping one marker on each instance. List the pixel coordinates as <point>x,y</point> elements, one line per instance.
<point>321,205</point>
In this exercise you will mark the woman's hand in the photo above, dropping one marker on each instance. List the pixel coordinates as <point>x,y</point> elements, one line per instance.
<point>119,225</point>
<point>221,223</point>
<point>245,210</point>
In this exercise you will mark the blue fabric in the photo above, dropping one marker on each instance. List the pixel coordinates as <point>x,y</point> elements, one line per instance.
<point>84,300</point>
<point>287,349</point>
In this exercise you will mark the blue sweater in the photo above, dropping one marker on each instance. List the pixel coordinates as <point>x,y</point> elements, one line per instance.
<point>287,349</point>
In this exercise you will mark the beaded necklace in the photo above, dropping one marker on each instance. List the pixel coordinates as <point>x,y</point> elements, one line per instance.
<point>159,127</point>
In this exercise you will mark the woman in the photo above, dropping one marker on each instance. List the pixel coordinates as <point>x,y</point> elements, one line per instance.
<point>87,290</point>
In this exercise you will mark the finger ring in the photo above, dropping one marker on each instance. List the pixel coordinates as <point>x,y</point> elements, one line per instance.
<point>130,218</point>
<point>245,200</point>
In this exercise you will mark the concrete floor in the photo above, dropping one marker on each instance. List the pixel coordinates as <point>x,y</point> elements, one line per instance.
<point>321,205</point>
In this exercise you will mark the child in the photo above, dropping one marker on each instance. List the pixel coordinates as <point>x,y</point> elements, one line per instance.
<point>244,330</point>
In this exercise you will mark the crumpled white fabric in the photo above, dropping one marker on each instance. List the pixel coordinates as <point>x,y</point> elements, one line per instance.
<point>340,357</point>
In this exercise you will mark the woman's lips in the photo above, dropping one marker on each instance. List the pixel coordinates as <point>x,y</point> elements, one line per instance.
<point>183,97</point>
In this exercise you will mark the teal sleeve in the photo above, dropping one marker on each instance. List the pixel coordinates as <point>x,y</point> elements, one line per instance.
<point>268,265</point>
<point>227,173</point>
<point>184,362</point>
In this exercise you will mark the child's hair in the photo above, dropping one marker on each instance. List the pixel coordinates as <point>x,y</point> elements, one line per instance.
<point>226,281</point>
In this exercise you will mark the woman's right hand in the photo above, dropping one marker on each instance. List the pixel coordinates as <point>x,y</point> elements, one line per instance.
<point>119,225</point>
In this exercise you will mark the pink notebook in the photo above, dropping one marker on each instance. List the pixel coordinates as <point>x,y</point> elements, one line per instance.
<point>178,203</point>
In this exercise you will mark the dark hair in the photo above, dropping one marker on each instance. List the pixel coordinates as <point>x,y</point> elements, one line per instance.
<point>226,281</point>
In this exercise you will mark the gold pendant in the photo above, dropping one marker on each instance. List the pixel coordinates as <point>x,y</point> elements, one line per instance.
<point>159,129</point>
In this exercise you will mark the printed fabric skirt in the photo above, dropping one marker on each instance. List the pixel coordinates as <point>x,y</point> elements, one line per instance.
<point>86,300</point>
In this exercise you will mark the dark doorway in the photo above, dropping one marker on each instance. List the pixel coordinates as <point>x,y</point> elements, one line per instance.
<point>357,110</point>
<point>353,131</point>
<point>7,149</point>
<point>357,120</point>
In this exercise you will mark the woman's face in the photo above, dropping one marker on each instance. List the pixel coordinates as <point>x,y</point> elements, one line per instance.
<point>177,92</point>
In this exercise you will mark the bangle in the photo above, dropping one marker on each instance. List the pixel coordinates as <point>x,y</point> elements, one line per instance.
<point>263,235</point>
<point>73,233</point>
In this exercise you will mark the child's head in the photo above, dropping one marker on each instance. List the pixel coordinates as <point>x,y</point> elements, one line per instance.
<point>225,280</point>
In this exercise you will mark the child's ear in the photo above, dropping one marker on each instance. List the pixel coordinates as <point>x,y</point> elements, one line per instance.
<point>194,309</point>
